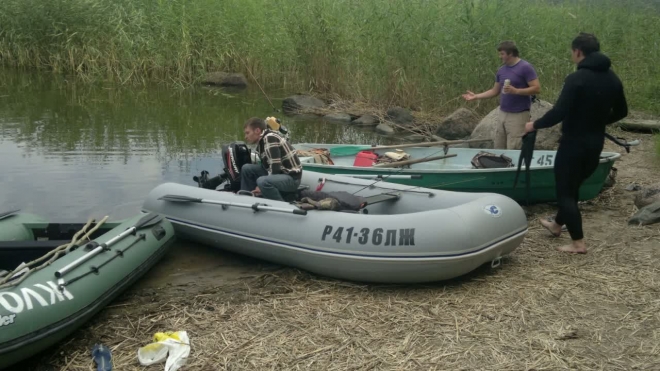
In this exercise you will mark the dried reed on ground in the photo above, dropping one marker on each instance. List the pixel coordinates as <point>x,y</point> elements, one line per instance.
<point>541,310</point>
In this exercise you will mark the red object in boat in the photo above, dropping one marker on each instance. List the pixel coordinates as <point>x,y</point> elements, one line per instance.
<point>365,159</point>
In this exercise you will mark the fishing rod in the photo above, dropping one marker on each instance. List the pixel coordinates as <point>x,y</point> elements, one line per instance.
<point>254,78</point>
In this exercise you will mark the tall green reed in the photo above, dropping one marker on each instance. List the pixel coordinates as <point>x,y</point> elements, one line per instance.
<point>416,53</point>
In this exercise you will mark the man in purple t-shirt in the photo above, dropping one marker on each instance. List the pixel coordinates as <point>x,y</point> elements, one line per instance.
<point>517,81</point>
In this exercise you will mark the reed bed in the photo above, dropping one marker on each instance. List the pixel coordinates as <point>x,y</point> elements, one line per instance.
<point>421,54</point>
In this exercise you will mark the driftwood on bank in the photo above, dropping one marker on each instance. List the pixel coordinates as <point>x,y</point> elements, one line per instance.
<point>638,125</point>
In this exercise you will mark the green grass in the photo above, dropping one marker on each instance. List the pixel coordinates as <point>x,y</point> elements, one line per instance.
<point>415,53</point>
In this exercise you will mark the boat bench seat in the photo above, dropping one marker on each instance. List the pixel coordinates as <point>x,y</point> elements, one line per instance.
<point>370,200</point>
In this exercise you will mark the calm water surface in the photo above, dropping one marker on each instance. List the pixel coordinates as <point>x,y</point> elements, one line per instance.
<point>70,150</point>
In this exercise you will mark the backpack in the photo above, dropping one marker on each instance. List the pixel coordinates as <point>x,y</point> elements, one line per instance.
<point>487,160</point>
<point>275,124</point>
<point>234,156</point>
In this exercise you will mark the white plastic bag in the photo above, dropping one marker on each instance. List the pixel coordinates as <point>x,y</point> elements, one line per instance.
<point>176,344</point>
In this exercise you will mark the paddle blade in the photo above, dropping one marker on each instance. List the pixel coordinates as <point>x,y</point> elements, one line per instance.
<point>7,214</point>
<point>178,198</point>
<point>148,220</point>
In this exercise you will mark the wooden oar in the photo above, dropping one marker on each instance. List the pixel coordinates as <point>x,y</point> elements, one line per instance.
<point>353,150</point>
<point>430,144</point>
<point>410,162</point>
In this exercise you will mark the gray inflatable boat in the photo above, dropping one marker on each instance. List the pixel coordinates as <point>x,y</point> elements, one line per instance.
<point>403,235</point>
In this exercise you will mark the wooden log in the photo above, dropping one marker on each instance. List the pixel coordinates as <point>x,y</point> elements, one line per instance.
<point>638,125</point>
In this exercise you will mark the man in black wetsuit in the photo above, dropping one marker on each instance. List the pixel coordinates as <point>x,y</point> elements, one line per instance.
<point>592,97</point>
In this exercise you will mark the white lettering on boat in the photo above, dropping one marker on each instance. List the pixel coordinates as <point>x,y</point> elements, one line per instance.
<point>28,301</point>
<point>29,297</point>
<point>7,320</point>
<point>54,292</point>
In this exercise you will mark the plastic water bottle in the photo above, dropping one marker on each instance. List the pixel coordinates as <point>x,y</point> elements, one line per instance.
<point>103,357</point>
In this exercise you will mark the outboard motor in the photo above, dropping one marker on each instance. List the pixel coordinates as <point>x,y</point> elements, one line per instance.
<point>234,156</point>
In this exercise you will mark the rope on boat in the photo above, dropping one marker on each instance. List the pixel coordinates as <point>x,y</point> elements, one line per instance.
<point>51,255</point>
<point>95,269</point>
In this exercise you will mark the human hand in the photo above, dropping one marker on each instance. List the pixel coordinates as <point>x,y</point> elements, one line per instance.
<point>256,191</point>
<point>469,96</point>
<point>509,89</point>
<point>529,127</point>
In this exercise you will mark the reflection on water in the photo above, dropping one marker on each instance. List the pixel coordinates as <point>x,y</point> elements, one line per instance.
<point>71,151</point>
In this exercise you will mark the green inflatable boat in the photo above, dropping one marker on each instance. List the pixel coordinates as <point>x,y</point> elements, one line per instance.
<point>54,276</point>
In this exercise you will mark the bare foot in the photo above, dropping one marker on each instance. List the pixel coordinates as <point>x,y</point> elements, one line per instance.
<point>551,226</point>
<point>577,247</point>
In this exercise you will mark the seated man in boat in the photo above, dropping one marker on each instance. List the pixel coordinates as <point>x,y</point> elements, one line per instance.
<point>280,169</point>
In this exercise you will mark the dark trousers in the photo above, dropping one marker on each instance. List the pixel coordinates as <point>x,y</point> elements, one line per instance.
<point>575,162</point>
<point>253,175</point>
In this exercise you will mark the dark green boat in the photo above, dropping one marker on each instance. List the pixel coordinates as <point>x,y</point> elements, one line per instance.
<point>457,173</point>
<point>67,284</point>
